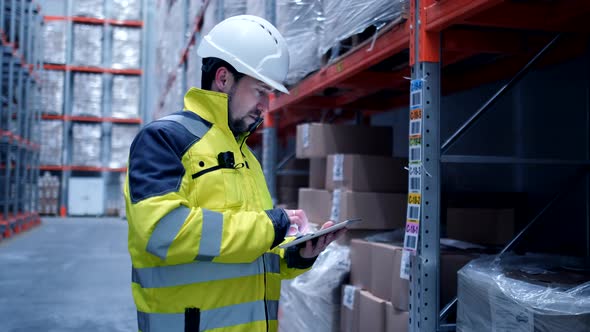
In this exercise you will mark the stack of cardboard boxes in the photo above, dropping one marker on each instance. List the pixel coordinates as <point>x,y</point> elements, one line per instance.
<point>352,175</point>
<point>378,299</point>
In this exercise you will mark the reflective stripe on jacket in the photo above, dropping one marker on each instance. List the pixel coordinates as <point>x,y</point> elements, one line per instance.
<point>202,230</point>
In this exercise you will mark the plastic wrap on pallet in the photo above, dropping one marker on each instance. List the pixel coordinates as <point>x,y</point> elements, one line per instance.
<point>90,8</point>
<point>88,40</point>
<point>86,138</point>
<point>538,293</point>
<point>230,8</point>
<point>54,40</point>
<point>125,96</point>
<point>87,99</point>
<point>256,8</point>
<point>173,101</point>
<point>170,42</point>
<point>194,8</point>
<point>193,68</point>
<point>126,9</point>
<point>52,89</point>
<point>126,47</point>
<point>121,137</point>
<point>51,142</point>
<point>345,18</point>
<point>311,302</point>
<point>300,23</point>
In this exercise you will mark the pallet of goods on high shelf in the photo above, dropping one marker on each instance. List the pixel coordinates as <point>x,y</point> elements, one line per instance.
<point>54,39</point>
<point>126,9</point>
<point>87,97</point>
<point>86,145</point>
<point>51,142</point>
<point>125,96</point>
<point>87,45</point>
<point>347,18</point>
<point>122,136</point>
<point>126,48</point>
<point>300,23</point>
<point>230,8</point>
<point>52,92</point>
<point>89,8</point>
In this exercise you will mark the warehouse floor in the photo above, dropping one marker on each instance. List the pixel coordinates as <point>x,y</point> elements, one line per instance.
<point>67,275</point>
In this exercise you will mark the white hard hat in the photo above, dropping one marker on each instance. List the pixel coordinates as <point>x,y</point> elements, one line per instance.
<point>252,45</point>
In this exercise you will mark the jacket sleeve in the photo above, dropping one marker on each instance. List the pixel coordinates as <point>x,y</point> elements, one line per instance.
<point>292,264</point>
<point>163,224</point>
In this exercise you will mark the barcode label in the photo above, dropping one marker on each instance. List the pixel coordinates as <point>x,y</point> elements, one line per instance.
<point>415,153</point>
<point>415,127</point>
<point>416,99</point>
<point>404,271</point>
<point>413,212</point>
<point>411,241</point>
<point>335,213</point>
<point>338,169</point>
<point>305,134</point>
<point>414,184</point>
<point>348,296</point>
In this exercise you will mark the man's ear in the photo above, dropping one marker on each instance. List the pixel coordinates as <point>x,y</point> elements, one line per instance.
<point>223,80</point>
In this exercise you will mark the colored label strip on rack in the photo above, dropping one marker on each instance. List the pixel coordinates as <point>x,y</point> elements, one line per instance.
<point>414,178</point>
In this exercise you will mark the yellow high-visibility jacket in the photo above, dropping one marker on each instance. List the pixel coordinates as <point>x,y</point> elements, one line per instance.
<point>203,233</point>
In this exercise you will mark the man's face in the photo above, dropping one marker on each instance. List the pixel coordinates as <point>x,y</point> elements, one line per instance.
<point>248,102</point>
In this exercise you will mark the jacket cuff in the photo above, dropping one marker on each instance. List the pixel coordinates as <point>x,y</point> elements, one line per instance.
<point>295,261</point>
<point>281,223</point>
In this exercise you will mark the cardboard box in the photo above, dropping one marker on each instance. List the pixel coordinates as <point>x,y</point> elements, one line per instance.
<point>367,173</point>
<point>317,173</point>
<point>385,268</point>
<point>360,263</point>
<point>483,226</point>
<point>320,140</point>
<point>352,234</point>
<point>349,312</point>
<point>378,210</point>
<point>316,204</point>
<point>396,320</point>
<point>450,263</point>
<point>372,313</point>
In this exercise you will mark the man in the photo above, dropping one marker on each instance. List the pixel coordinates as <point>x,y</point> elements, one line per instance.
<point>203,234</point>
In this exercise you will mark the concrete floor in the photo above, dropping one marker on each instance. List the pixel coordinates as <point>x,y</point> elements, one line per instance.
<point>67,275</point>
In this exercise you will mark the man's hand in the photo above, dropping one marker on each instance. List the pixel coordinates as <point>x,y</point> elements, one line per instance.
<point>299,222</point>
<point>311,251</point>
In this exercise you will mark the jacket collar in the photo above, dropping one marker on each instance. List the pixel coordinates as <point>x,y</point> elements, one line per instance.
<point>210,105</point>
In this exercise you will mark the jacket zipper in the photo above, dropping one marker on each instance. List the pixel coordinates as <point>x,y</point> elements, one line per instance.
<point>263,260</point>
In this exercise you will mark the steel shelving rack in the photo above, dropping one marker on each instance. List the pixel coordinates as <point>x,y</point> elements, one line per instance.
<point>69,68</point>
<point>19,115</point>
<point>504,39</point>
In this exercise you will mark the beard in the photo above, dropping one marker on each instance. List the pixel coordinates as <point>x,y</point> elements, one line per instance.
<point>240,125</point>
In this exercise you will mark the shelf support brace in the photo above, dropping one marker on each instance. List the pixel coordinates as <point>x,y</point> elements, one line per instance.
<point>492,101</point>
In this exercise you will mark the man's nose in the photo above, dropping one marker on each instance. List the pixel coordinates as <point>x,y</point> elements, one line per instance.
<point>263,106</point>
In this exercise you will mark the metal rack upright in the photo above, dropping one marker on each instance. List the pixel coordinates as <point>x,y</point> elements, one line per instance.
<point>19,115</point>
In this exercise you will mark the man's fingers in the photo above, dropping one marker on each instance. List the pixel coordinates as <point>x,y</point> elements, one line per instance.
<point>327,224</point>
